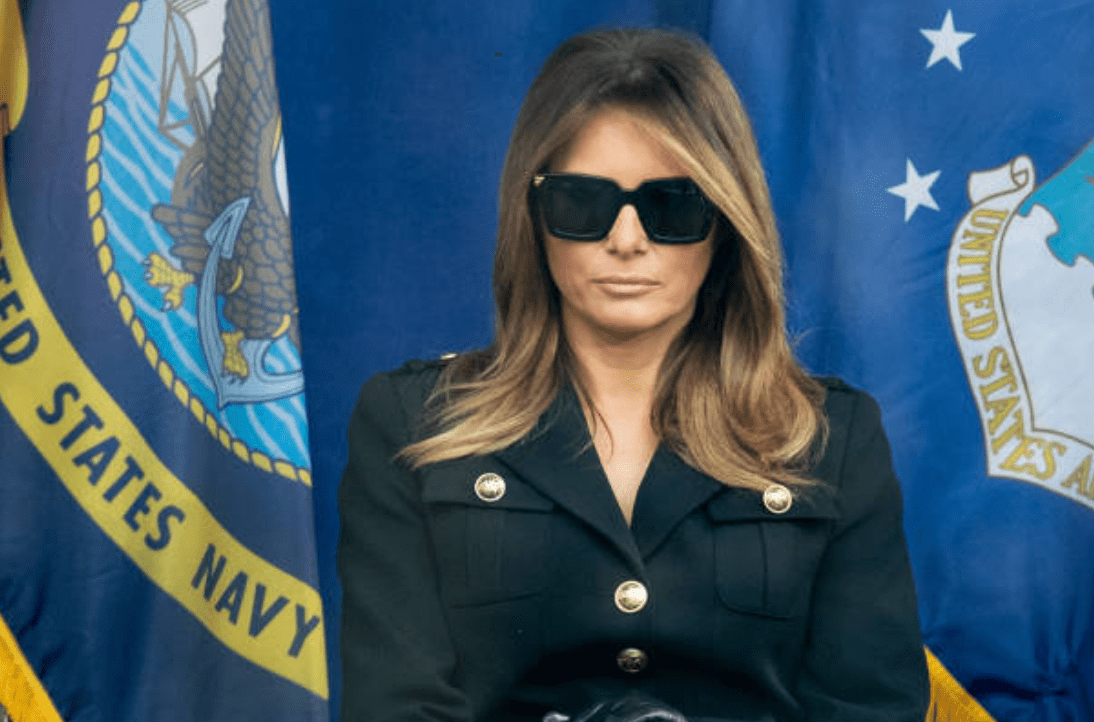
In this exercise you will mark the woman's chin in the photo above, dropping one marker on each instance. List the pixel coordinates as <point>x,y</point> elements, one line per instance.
<point>627,326</point>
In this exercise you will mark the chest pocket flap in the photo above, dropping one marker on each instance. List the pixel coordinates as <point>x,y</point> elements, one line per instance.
<point>491,533</point>
<point>765,562</point>
<point>483,487</point>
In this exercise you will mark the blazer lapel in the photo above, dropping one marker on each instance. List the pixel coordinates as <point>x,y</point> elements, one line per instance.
<point>559,460</point>
<point>670,491</point>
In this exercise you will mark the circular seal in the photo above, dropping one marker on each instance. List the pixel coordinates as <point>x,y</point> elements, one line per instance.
<point>189,217</point>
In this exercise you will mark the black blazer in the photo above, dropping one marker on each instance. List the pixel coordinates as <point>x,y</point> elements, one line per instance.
<point>505,586</point>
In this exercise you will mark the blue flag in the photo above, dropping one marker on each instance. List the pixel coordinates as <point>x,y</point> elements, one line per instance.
<point>933,176</point>
<point>157,548</point>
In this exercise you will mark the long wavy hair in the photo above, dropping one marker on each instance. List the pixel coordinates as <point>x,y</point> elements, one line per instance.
<point>730,399</point>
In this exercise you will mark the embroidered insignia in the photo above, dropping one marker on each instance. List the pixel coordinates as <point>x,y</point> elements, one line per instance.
<point>1020,280</point>
<point>189,212</point>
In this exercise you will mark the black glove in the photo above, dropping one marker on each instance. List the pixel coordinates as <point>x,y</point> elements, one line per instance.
<point>634,707</point>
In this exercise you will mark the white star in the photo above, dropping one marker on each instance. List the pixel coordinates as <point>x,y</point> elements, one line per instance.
<point>915,190</point>
<point>946,41</point>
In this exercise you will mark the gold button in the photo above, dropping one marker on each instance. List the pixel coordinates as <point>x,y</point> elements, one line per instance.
<point>778,499</point>
<point>490,487</point>
<point>632,660</point>
<point>630,597</point>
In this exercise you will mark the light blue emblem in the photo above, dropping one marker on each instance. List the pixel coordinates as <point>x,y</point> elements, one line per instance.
<point>196,208</point>
<point>1069,197</point>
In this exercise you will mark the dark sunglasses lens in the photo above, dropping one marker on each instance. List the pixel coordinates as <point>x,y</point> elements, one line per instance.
<point>578,208</point>
<point>675,211</point>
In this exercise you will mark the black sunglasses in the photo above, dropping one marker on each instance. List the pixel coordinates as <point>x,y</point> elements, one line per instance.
<point>584,207</point>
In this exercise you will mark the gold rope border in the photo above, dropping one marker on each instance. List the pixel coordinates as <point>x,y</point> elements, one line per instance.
<point>21,692</point>
<point>99,234</point>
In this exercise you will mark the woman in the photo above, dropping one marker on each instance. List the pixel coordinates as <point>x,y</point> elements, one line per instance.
<point>633,504</point>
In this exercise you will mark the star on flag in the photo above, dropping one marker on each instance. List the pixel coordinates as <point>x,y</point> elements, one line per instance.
<point>915,190</point>
<point>946,42</point>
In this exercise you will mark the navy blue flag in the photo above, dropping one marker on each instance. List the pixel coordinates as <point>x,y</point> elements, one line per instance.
<point>931,174</point>
<point>933,177</point>
<point>157,546</point>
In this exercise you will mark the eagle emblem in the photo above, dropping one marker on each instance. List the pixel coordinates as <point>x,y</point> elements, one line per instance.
<point>229,224</point>
<point>193,184</point>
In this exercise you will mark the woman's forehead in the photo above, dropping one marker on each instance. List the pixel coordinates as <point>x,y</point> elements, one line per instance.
<point>619,144</point>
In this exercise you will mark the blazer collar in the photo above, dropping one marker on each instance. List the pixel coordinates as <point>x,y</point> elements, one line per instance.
<point>559,460</point>
<point>669,492</point>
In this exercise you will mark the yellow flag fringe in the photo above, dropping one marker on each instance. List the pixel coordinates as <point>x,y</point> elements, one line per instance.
<point>22,696</point>
<point>949,700</point>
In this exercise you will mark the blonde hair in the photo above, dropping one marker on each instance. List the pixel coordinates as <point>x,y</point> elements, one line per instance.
<point>731,400</point>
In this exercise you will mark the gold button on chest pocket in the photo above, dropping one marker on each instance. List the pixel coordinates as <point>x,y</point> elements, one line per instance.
<point>778,499</point>
<point>489,487</point>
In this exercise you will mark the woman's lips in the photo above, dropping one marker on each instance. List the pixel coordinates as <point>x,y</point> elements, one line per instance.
<point>625,285</point>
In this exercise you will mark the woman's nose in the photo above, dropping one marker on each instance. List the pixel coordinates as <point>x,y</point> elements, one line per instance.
<point>627,235</point>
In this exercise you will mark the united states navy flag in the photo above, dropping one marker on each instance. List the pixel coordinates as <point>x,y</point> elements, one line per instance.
<point>157,548</point>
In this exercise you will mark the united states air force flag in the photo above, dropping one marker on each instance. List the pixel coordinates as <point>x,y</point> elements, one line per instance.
<point>933,172</point>
<point>157,553</point>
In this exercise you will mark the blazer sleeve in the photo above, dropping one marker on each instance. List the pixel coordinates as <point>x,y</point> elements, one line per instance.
<point>864,658</point>
<point>397,657</point>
